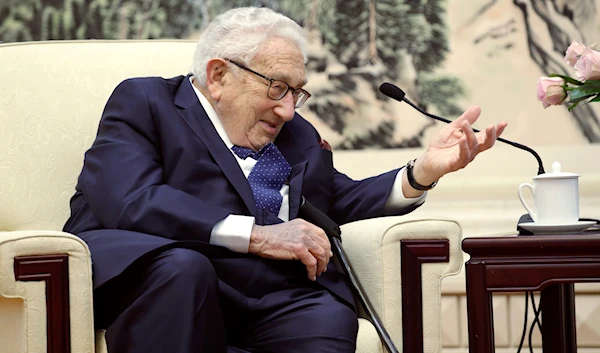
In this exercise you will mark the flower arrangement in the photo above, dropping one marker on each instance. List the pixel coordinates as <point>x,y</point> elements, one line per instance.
<point>555,89</point>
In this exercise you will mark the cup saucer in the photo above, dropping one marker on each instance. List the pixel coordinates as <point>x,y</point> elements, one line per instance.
<point>537,228</point>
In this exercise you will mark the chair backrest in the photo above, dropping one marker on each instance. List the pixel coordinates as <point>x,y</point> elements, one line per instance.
<point>51,98</point>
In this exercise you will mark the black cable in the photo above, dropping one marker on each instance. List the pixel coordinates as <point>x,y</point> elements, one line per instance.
<point>392,95</point>
<point>535,319</point>
<point>524,323</point>
<point>537,311</point>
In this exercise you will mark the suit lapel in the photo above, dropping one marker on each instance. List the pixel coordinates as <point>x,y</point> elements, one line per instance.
<point>287,144</point>
<point>296,177</point>
<point>195,117</point>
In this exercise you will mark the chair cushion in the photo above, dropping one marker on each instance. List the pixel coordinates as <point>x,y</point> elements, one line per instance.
<point>368,340</point>
<point>51,98</point>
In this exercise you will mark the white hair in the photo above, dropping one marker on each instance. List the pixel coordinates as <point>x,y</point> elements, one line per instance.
<point>238,34</point>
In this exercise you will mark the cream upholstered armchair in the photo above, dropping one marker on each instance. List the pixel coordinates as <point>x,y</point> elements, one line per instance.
<point>51,98</point>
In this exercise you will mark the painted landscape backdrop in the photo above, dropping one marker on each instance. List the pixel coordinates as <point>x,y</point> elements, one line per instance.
<point>446,55</point>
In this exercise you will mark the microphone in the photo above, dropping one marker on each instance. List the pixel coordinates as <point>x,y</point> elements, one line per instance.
<point>396,93</point>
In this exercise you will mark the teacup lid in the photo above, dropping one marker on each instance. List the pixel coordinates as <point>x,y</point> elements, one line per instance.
<point>557,173</point>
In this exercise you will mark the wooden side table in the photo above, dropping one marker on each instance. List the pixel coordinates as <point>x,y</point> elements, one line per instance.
<point>549,263</point>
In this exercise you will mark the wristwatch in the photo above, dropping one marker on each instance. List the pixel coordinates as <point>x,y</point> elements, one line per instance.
<point>411,178</point>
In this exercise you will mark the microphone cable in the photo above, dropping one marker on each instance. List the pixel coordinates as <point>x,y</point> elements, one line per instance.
<point>536,311</point>
<point>535,319</point>
<point>398,94</point>
<point>524,322</point>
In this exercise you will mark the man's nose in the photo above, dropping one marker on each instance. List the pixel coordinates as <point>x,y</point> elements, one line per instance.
<point>286,107</point>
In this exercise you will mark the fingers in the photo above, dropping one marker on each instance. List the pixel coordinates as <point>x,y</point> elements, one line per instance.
<point>293,240</point>
<point>483,140</point>
<point>321,239</point>
<point>470,115</point>
<point>314,249</point>
<point>467,140</point>
<point>500,128</point>
<point>322,260</point>
<point>464,153</point>
<point>472,142</point>
<point>311,264</point>
<point>492,132</point>
<point>458,144</point>
<point>468,145</point>
<point>488,138</point>
<point>320,248</point>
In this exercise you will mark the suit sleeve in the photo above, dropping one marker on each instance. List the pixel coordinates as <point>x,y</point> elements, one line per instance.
<point>353,200</point>
<point>363,199</point>
<point>123,179</point>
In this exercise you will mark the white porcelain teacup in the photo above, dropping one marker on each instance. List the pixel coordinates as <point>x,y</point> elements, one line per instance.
<point>556,197</point>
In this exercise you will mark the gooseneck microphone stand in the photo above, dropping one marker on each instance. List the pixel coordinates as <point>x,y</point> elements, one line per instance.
<point>396,93</point>
<point>311,214</point>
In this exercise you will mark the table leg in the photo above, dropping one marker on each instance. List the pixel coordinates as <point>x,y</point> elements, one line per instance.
<point>559,332</point>
<point>479,310</point>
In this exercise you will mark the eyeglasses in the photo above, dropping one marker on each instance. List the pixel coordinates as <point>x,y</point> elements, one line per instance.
<point>278,89</point>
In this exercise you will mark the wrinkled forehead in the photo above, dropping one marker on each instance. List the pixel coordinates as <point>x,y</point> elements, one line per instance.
<point>281,59</point>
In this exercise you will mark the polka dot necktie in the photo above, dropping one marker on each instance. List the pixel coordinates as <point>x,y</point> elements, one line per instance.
<point>267,176</point>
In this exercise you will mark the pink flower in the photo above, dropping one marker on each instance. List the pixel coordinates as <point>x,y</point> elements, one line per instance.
<point>588,65</point>
<point>573,53</point>
<point>550,91</point>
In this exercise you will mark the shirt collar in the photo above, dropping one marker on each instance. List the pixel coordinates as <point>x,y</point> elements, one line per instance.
<point>212,115</point>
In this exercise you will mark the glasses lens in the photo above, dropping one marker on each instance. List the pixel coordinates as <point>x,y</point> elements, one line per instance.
<point>277,89</point>
<point>300,96</point>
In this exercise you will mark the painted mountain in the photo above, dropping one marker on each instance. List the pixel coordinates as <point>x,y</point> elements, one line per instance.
<point>446,55</point>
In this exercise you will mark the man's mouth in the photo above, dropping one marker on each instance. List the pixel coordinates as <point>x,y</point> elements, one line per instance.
<point>270,127</point>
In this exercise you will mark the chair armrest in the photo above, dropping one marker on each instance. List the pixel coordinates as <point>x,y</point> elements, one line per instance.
<point>374,248</point>
<point>51,271</point>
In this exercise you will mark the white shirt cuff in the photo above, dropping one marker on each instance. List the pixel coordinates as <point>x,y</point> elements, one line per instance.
<point>233,233</point>
<point>396,200</point>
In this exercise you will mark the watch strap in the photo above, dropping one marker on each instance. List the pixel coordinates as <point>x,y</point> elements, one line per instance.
<point>411,177</point>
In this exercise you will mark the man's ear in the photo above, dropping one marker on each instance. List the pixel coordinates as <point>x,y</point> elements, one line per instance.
<point>216,79</point>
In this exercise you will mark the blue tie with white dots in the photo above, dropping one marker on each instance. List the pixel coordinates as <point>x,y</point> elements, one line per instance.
<point>267,176</point>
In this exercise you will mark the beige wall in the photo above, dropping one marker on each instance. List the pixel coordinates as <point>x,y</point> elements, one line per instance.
<point>489,52</point>
<point>502,80</point>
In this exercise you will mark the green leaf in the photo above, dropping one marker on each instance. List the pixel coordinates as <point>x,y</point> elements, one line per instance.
<point>588,89</point>
<point>568,79</point>
<point>577,100</point>
<point>571,107</point>
<point>596,99</point>
<point>592,84</point>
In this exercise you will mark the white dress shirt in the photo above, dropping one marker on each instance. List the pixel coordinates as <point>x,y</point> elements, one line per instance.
<point>234,231</point>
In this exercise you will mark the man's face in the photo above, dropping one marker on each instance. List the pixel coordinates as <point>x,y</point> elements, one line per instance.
<point>250,118</point>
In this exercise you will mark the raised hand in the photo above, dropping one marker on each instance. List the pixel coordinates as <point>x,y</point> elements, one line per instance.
<point>293,240</point>
<point>455,146</point>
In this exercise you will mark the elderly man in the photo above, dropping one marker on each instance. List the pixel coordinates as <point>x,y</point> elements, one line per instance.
<point>189,196</point>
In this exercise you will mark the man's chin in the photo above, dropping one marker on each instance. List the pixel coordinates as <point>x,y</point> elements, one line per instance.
<point>264,139</point>
<point>262,142</point>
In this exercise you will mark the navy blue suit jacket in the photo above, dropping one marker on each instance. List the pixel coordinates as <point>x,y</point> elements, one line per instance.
<point>158,175</point>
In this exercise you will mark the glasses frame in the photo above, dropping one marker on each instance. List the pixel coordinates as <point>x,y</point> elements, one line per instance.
<point>297,104</point>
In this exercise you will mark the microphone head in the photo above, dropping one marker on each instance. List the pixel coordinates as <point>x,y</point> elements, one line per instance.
<point>392,91</point>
